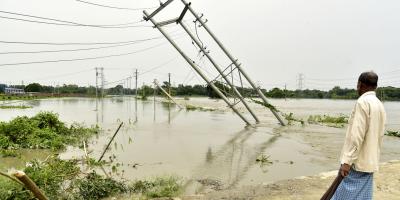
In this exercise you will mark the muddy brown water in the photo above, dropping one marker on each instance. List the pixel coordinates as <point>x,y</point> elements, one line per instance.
<point>208,150</point>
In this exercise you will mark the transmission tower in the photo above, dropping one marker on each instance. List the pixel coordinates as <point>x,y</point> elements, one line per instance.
<point>300,81</point>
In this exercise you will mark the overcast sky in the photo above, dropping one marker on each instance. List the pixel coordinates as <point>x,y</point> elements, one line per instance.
<point>330,42</point>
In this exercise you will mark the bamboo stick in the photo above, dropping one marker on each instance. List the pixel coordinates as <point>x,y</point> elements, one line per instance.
<point>20,175</point>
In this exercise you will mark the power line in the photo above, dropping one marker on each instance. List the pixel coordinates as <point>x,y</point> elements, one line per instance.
<point>81,49</point>
<point>158,66</point>
<point>72,43</point>
<point>76,25</point>
<point>113,7</point>
<point>68,22</point>
<point>80,59</point>
<point>66,43</point>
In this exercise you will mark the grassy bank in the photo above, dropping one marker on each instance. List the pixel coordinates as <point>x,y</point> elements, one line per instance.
<point>60,179</point>
<point>42,131</point>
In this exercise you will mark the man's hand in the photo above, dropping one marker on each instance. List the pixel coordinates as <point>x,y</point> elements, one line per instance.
<point>345,169</point>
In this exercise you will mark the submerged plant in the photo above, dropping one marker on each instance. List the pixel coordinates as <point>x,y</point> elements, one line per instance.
<point>332,121</point>
<point>393,133</point>
<point>191,108</point>
<point>15,107</point>
<point>264,159</point>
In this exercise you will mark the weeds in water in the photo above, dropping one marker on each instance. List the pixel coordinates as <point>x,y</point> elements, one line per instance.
<point>290,118</point>
<point>264,159</point>
<point>393,133</point>
<point>338,122</point>
<point>192,108</point>
<point>15,107</point>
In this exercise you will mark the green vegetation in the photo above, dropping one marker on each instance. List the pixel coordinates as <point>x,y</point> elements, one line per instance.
<point>9,153</point>
<point>42,131</point>
<point>327,120</point>
<point>159,187</point>
<point>264,159</point>
<point>267,105</point>
<point>17,97</point>
<point>385,93</point>
<point>191,108</point>
<point>393,133</point>
<point>290,118</point>
<point>60,179</point>
<point>15,107</point>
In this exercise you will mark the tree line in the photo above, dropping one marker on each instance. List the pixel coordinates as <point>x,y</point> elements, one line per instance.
<point>385,93</point>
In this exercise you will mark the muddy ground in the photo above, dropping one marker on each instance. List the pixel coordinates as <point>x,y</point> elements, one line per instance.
<point>386,187</point>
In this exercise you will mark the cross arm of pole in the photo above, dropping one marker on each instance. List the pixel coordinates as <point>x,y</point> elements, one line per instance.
<point>183,12</point>
<point>175,20</point>
<point>162,6</point>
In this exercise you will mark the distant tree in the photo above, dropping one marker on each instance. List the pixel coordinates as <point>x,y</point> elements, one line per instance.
<point>33,87</point>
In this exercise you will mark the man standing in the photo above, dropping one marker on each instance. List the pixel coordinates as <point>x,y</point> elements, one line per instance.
<point>361,150</point>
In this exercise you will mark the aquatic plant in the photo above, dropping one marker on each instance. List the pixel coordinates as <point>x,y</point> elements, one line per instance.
<point>42,131</point>
<point>192,107</point>
<point>290,118</point>
<point>332,121</point>
<point>267,105</point>
<point>15,107</point>
<point>264,159</point>
<point>393,133</point>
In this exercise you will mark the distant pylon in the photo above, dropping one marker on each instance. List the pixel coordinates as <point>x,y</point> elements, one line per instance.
<point>300,82</point>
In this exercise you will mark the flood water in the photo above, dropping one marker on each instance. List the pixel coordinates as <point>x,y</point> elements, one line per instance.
<point>159,139</point>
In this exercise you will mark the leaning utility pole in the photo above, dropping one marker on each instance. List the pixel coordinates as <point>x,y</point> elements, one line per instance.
<point>191,63</point>
<point>196,41</point>
<point>165,92</point>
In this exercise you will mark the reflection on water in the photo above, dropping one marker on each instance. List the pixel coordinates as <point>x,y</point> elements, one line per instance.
<point>203,147</point>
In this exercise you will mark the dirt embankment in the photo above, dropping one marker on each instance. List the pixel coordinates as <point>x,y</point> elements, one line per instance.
<point>386,187</point>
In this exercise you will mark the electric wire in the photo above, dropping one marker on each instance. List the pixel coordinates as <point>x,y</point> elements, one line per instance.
<point>75,25</point>
<point>81,59</point>
<point>80,49</point>
<point>74,43</point>
<point>113,7</point>
<point>68,22</point>
<point>152,69</point>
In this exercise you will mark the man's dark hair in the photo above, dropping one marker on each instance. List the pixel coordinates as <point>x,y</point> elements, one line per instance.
<point>369,79</point>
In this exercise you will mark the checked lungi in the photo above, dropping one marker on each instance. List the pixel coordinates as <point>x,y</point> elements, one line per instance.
<point>356,186</point>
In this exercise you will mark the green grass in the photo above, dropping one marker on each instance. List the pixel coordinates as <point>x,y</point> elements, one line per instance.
<point>42,131</point>
<point>60,179</point>
<point>158,187</point>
